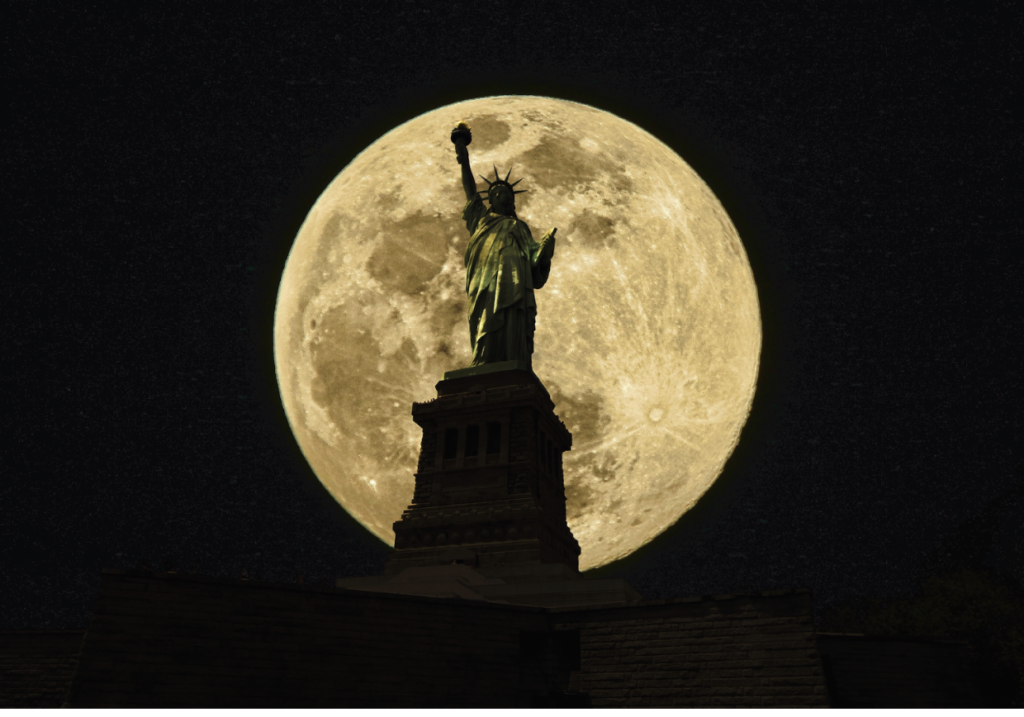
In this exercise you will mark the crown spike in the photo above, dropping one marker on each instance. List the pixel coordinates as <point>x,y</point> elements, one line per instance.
<point>489,182</point>
<point>516,182</point>
<point>509,173</point>
<point>519,191</point>
<point>496,175</point>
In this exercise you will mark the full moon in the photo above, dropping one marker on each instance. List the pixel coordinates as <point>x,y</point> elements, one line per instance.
<point>648,330</point>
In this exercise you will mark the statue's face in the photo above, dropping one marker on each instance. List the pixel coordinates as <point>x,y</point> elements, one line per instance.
<point>502,201</point>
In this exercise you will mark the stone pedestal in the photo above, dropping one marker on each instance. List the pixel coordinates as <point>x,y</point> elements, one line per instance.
<point>489,487</point>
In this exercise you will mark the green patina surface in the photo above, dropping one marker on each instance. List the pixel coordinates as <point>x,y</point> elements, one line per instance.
<point>503,267</point>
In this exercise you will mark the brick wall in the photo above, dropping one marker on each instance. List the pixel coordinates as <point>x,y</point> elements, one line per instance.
<point>725,651</point>
<point>36,666</point>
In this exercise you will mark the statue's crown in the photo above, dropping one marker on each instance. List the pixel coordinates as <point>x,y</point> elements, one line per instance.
<point>499,182</point>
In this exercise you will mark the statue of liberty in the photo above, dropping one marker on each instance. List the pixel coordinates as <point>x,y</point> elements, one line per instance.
<point>503,266</point>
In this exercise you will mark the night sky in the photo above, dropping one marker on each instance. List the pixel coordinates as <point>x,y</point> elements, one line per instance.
<point>158,163</point>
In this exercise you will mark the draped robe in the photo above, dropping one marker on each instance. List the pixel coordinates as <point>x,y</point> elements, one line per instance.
<point>503,267</point>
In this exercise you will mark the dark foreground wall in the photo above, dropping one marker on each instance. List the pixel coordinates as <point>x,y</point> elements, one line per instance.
<point>175,640</point>
<point>166,640</point>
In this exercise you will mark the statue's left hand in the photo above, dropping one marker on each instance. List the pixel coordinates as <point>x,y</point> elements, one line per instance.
<point>547,244</point>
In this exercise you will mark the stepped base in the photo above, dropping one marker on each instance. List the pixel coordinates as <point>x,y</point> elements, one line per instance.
<point>533,584</point>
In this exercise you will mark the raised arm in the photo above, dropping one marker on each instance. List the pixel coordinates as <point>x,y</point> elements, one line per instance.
<point>468,183</point>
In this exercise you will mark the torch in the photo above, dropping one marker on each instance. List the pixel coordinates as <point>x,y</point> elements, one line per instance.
<point>461,137</point>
